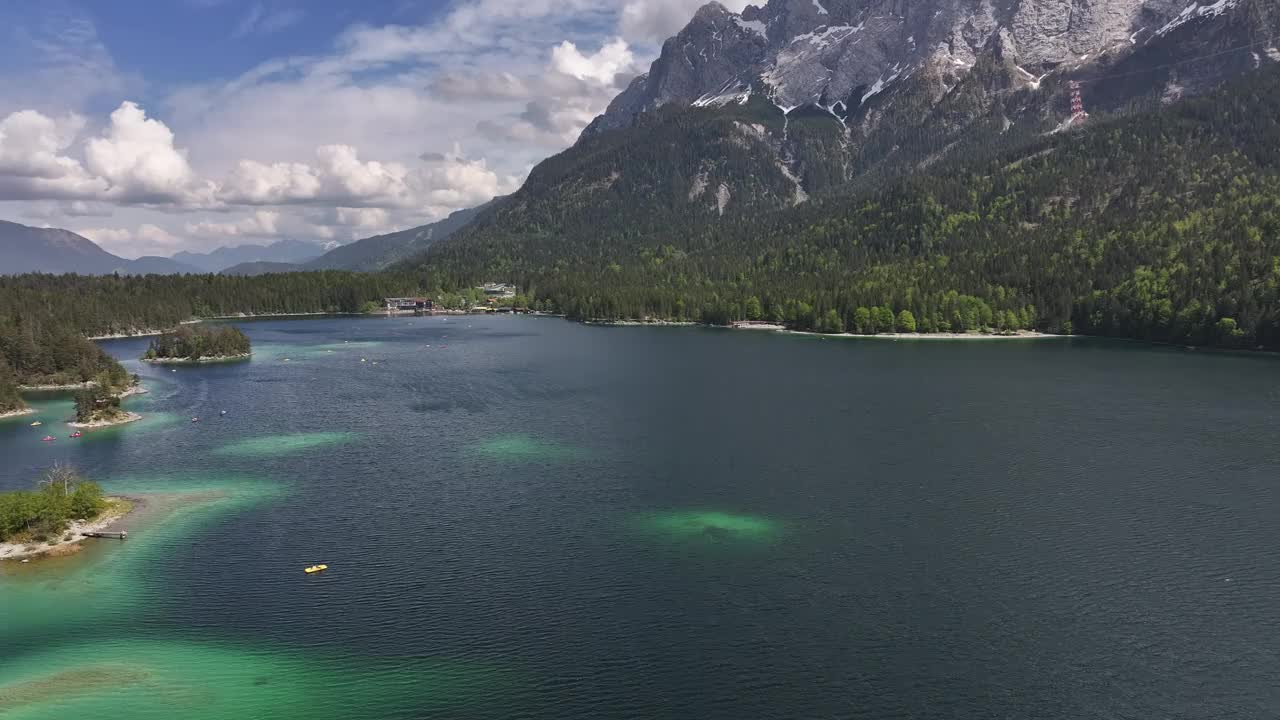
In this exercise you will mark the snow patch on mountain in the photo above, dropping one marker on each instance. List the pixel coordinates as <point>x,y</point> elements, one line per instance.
<point>732,92</point>
<point>1194,11</point>
<point>756,26</point>
<point>881,83</point>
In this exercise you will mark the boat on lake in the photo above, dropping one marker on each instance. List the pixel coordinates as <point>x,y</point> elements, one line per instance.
<point>315,569</point>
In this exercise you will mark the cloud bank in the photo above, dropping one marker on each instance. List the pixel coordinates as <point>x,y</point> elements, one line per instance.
<point>365,138</point>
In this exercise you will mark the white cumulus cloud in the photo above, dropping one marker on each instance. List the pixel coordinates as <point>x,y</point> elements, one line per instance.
<point>136,155</point>
<point>357,139</point>
<point>613,58</point>
<point>261,223</point>
<point>33,159</point>
<point>148,239</point>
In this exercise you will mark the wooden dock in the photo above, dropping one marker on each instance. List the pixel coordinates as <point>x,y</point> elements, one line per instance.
<point>122,535</point>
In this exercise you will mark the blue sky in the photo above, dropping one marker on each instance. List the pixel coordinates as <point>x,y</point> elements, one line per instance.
<point>212,39</point>
<point>154,126</point>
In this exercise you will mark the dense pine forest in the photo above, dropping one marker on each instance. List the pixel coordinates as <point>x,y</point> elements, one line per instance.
<point>111,304</point>
<point>43,350</point>
<point>10,399</point>
<point>1163,226</point>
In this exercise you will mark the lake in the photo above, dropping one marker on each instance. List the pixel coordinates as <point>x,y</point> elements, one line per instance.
<point>531,518</point>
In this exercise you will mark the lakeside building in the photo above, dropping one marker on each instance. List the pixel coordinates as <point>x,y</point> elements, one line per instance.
<point>499,290</point>
<point>408,304</point>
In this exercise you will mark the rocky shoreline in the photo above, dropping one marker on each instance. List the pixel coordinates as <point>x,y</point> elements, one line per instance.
<point>56,388</point>
<point>17,413</point>
<point>123,419</point>
<point>198,361</point>
<point>136,389</point>
<point>1019,335</point>
<point>642,323</point>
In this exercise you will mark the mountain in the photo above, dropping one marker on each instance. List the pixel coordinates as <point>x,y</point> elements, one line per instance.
<point>373,253</point>
<point>760,111</point>
<point>26,249</point>
<point>259,268</point>
<point>283,251</point>
<point>806,160</point>
<point>902,84</point>
<point>839,55</point>
<point>155,265</point>
<point>1161,226</point>
<point>381,251</point>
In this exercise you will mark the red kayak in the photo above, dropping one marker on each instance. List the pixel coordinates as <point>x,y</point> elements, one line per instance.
<point>48,438</point>
<point>77,434</point>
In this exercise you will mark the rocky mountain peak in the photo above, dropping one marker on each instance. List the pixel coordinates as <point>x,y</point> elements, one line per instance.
<point>712,12</point>
<point>829,52</point>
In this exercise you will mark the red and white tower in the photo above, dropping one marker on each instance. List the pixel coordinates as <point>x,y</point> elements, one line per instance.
<point>1078,115</point>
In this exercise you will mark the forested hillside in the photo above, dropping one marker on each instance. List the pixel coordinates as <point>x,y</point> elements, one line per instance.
<point>10,399</point>
<point>1162,226</point>
<point>42,350</point>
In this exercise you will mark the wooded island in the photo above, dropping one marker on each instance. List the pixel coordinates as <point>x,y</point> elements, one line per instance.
<point>199,345</point>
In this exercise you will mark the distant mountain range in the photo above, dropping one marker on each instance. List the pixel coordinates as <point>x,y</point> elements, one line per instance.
<point>26,249</point>
<point>374,253</point>
<point>283,251</point>
<point>259,268</point>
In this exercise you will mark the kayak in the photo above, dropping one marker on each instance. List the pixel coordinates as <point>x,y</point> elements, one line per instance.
<point>48,438</point>
<point>315,569</point>
<point>36,424</point>
<point>77,434</point>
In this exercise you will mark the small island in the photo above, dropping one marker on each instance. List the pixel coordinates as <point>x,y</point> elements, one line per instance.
<point>98,402</point>
<point>64,509</point>
<point>199,344</point>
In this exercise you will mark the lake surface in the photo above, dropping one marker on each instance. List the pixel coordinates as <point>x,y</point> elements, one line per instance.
<point>529,518</point>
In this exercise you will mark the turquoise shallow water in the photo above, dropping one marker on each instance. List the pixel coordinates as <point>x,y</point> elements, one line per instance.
<point>530,518</point>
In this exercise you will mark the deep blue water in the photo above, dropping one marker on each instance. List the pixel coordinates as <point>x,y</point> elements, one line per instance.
<point>688,523</point>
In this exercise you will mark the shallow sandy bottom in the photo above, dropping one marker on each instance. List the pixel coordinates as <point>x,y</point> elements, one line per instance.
<point>526,448</point>
<point>270,445</point>
<point>687,526</point>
